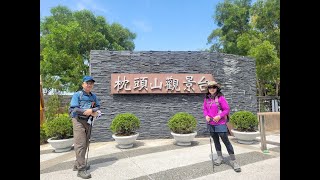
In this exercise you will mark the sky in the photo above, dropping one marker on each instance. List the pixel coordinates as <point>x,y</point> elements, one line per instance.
<point>160,25</point>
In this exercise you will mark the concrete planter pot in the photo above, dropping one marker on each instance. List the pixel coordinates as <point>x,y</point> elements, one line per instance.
<point>184,139</point>
<point>61,145</point>
<point>245,137</point>
<point>125,142</point>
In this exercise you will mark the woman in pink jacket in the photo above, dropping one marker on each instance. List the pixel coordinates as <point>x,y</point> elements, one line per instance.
<point>215,110</point>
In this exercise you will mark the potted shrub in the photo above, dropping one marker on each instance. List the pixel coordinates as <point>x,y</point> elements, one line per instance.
<point>60,132</point>
<point>43,136</point>
<point>124,128</point>
<point>183,126</point>
<point>245,126</point>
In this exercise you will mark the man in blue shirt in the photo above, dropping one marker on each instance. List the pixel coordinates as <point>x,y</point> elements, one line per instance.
<point>84,105</point>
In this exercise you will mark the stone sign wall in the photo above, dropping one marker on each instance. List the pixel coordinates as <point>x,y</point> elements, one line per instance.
<point>235,73</point>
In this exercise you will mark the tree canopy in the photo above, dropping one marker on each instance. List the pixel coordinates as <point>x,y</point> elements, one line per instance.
<point>66,38</point>
<point>251,30</point>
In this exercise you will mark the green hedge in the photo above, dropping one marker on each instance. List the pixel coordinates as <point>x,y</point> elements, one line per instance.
<point>60,127</point>
<point>244,121</point>
<point>125,124</point>
<point>43,136</point>
<point>182,123</point>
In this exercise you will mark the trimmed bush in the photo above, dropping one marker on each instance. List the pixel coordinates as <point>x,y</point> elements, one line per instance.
<point>60,127</point>
<point>182,123</point>
<point>125,124</point>
<point>43,136</point>
<point>52,107</point>
<point>244,121</point>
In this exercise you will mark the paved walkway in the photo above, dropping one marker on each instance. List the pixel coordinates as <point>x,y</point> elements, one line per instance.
<point>161,159</point>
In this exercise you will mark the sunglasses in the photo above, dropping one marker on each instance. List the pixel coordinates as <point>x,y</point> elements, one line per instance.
<point>89,82</point>
<point>212,87</point>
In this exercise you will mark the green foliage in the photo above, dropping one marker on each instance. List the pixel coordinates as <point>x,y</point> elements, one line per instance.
<point>66,39</point>
<point>43,136</point>
<point>233,19</point>
<point>125,124</point>
<point>266,19</point>
<point>244,121</point>
<point>267,65</point>
<point>251,30</point>
<point>52,107</point>
<point>270,91</point>
<point>182,123</point>
<point>60,127</point>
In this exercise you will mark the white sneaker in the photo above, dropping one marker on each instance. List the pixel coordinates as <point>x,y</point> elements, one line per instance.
<point>218,161</point>
<point>235,166</point>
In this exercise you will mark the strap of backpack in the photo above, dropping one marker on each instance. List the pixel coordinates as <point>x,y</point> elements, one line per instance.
<point>91,97</point>
<point>218,104</point>
<point>80,97</point>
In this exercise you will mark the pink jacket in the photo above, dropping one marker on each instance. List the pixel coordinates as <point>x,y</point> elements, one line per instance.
<point>213,110</point>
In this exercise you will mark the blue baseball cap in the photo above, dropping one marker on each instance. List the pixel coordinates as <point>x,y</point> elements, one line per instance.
<point>88,78</point>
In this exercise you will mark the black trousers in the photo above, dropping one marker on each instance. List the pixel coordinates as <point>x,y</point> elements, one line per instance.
<point>225,140</point>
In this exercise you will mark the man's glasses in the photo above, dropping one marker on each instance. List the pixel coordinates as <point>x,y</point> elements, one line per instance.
<point>89,82</point>
<point>212,87</point>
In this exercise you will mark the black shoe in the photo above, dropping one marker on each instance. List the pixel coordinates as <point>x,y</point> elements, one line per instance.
<point>84,174</point>
<point>76,169</point>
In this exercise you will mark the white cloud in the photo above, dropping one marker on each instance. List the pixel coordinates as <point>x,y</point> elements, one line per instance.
<point>90,5</point>
<point>81,6</point>
<point>96,7</point>
<point>141,25</point>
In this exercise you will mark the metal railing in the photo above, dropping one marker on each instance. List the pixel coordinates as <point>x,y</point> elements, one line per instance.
<point>268,103</point>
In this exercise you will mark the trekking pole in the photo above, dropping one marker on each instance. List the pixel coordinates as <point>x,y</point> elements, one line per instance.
<point>211,153</point>
<point>211,147</point>
<point>89,137</point>
<point>90,128</point>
